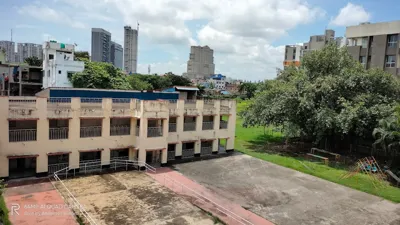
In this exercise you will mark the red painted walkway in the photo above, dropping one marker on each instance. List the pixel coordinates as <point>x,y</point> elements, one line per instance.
<point>37,204</point>
<point>228,211</point>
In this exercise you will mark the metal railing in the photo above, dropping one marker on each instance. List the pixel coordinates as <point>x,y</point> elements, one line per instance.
<point>22,135</point>
<point>59,102</point>
<point>21,102</point>
<point>206,151</point>
<point>171,155</point>
<point>94,131</point>
<point>56,167</point>
<point>154,132</point>
<point>172,127</point>
<point>190,103</point>
<point>223,124</point>
<point>208,125</point>
<point>58,133</point>
<point>123,103</point>
<point>172,103</point>
<point>120,130</point>
<point>187,153</point>
<point>189,126</point>
<point>137,131</point>
<point>201,197</point>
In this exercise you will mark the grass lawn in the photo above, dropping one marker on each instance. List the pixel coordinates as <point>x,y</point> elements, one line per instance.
<point>250,140</point>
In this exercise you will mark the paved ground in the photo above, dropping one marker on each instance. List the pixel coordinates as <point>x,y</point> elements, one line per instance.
<point>288,197</point>
<point>37,204</point>
<point>226,210</point>
<point>133,198</point>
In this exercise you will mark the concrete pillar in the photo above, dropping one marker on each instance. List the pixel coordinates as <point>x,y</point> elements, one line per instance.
<point>164,156</point>
<point>74,123</point>
<point>197,147</point>
<point>142,156</point>
<point>105,156</point>
<point>180,118</point>
<point>178,149</point>
<point>165,128</point>
<point>107,105</point>
<point>215,145</point>
<point>42,163</point>
<point>74,159</point>
<point>43,122</point>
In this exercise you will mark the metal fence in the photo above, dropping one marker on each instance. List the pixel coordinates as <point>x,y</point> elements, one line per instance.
<point>94,131</point>
<point>206,151</point>
<point>208,125</point>
<point>56,167</point>
<point>190,103</point>
<point>171,155</point>
<point>58,133</point>
<point>59,102</point>
<point>22,135</point>
<point>123,103</point>
<point>189,126</point>
<point>120,130</point>
<point>22,102</point>
<point>187,153</point>
<point>154,132</point>
<point>172,127</point>
<point>223,124</point>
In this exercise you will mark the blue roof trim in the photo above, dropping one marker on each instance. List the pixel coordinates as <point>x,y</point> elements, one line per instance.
<point>71,93</point>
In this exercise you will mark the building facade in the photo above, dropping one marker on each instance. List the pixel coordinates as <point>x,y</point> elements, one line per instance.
<point>59,64</point>
<point>26,50</point>
<point>375,45</point>
<point>293,54</point>
<point>101,45</point>
<point>201,63</point>
<point>8,47</point>
<point>117,55</point>
<point>218,81</point>
<point>130,50</point>
<point>42,135</point>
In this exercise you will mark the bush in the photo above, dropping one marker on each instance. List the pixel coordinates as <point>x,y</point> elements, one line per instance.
<point>3,207</point>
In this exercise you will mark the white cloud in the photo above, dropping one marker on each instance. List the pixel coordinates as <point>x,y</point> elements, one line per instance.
<point>351,14</point>
<point>44,13</point>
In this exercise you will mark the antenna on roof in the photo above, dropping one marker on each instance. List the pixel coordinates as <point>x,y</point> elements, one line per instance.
<point>149,69</point>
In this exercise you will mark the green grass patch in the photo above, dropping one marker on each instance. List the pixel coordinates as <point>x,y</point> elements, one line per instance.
<point>252,140</point>
<point>4,212</point>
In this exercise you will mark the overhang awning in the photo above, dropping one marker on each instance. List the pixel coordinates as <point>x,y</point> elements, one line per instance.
<point>92,150</point>
<point>22,156</point>
<point>59,153</point>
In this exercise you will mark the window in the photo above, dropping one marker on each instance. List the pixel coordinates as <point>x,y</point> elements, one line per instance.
<point>363,59</point>
<point>59,72</point>
<point>285,56</point>
<point>392,40</point>
<point>51,56</point>
<point>305,47</point>
<point>390,61</point>
<point>364,42</point>
<point>69,74</point>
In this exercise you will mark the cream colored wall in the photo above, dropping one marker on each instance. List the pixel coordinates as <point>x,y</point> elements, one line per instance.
<point>144,110</point>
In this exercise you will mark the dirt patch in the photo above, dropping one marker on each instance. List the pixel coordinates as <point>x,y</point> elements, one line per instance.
<point>132,197</point>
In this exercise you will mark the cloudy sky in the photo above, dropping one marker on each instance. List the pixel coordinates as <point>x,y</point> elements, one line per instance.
<point>248,36</point>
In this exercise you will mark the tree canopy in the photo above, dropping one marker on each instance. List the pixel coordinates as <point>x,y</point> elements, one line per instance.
<point>33,61</point>
<point>331,96</point>
<point>82,55</point>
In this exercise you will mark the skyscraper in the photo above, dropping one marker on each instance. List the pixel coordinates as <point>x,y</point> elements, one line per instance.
<point>201,62</point>
<point>117,55</point>
<point>26,50</point>
<point>101,45</point>
<point>130,49</point>
<point>9,48</point>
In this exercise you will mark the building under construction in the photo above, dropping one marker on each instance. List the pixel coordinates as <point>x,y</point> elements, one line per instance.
<point>20,80</point>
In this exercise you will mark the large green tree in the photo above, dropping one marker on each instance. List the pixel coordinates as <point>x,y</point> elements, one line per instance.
<point>100,75</point>
<point>330,97</point>
<point>137,84</point>
<point>33,61</point>
<point>81,55</point>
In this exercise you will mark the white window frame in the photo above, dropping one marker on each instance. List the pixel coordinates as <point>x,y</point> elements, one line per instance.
<point>390,64</point>
<point>392,43</point>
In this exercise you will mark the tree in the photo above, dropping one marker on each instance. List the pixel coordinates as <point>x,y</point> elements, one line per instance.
<point>82,55</point>
<point>387,134</point>
<point>137,84</point>
<point>176,80</point>
<point>33,61</point>
<point>100,75</point>
<point>248,88</point>
<point>330,98</point>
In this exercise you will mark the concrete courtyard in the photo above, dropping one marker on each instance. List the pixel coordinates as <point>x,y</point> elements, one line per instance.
<point>287,197</point>
<point>132,197</point>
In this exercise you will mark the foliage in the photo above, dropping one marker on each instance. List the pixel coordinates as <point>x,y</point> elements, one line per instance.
<point>81,55</point>
<point>3,208</point>
<point>252,141</point>
<point>100,75</point>
<point>176,80</point>
<point>387,135</point>
<point>331,96</point>
<point>33,61</point>
<point>137,84</point>
<point>248,88</point>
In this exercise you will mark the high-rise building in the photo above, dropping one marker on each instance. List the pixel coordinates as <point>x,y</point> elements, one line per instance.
<point>130,49</point>
<point>9,48</point>
<point>201,62</point>
<point>293,55</point>
<point>26,50</point>
<point>375,45</point>
<point>101,45</point>
<point>117,55</point>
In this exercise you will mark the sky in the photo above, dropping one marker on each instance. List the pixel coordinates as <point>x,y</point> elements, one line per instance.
<point>247,36</point>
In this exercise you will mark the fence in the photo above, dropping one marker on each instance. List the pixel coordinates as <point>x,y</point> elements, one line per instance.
<point>90,132</point>
<point>190,103</point>
<point>171,155</point>
<point>223,124</point>
<point>208,125</point>
<point>120,130</point>
<point>123,103</point>
<point>189,126</point>
<point>59,102</point>
<point>172,183</point>
<point>22,135</point>
<point>22,102</point>
<point>172,127</point>
<point>154,132</point>
<point>187,153</point>
<point>206,151</point>
<point>58,133</point>
<point>52,168</point>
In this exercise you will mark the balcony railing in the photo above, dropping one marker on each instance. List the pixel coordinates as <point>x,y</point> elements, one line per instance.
<point>208,125</point>
<point>58,133</point>
<point>22,135</point>
<point>56,167</point>
<point>154,132</point>
<point>171,155</point>
<point>206,151</point>
<point>22,102</point>
<point>172,127</point>
<point>172,104</point>
<point>223,124</point>
<point>59,103</point>
<point>120,130</point>
<point>187,153</point>
<point>190,103</point>
<point>189,126</point>
<point>94,131</point>
<point>121,103</point>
